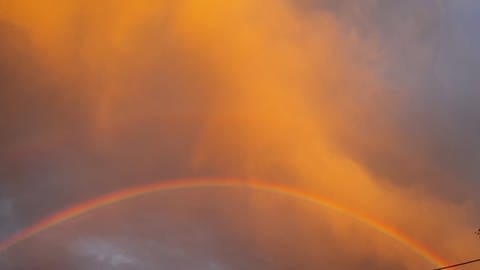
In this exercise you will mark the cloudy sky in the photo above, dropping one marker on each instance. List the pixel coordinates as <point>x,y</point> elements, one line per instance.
<point>373,104</point>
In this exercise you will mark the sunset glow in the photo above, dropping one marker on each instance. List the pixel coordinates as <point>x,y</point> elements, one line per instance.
<point>366,108</point>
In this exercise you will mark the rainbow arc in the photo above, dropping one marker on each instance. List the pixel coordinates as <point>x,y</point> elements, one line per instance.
<point>130,193</point>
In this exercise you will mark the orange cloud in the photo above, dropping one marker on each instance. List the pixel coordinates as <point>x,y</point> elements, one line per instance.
<point>275,90</point>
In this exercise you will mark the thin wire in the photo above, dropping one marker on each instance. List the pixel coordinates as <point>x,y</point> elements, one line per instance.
<point>458,264</point>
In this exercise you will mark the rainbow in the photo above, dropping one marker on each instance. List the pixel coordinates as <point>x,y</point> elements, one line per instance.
<point>283,190</point>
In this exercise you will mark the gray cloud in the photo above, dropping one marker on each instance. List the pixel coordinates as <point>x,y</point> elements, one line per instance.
<point>174,231</point>
<point>104,254</point>
<point>434,115</point>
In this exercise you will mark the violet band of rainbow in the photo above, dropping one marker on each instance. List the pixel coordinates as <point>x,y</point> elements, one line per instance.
<point>129,193</point>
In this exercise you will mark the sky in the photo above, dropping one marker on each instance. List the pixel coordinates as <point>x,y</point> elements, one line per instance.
<point>372,104</point>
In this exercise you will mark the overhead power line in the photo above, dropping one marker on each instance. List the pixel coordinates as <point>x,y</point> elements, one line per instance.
<point>458,264</point>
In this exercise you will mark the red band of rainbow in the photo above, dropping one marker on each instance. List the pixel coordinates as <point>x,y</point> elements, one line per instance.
<point>283,190</point>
